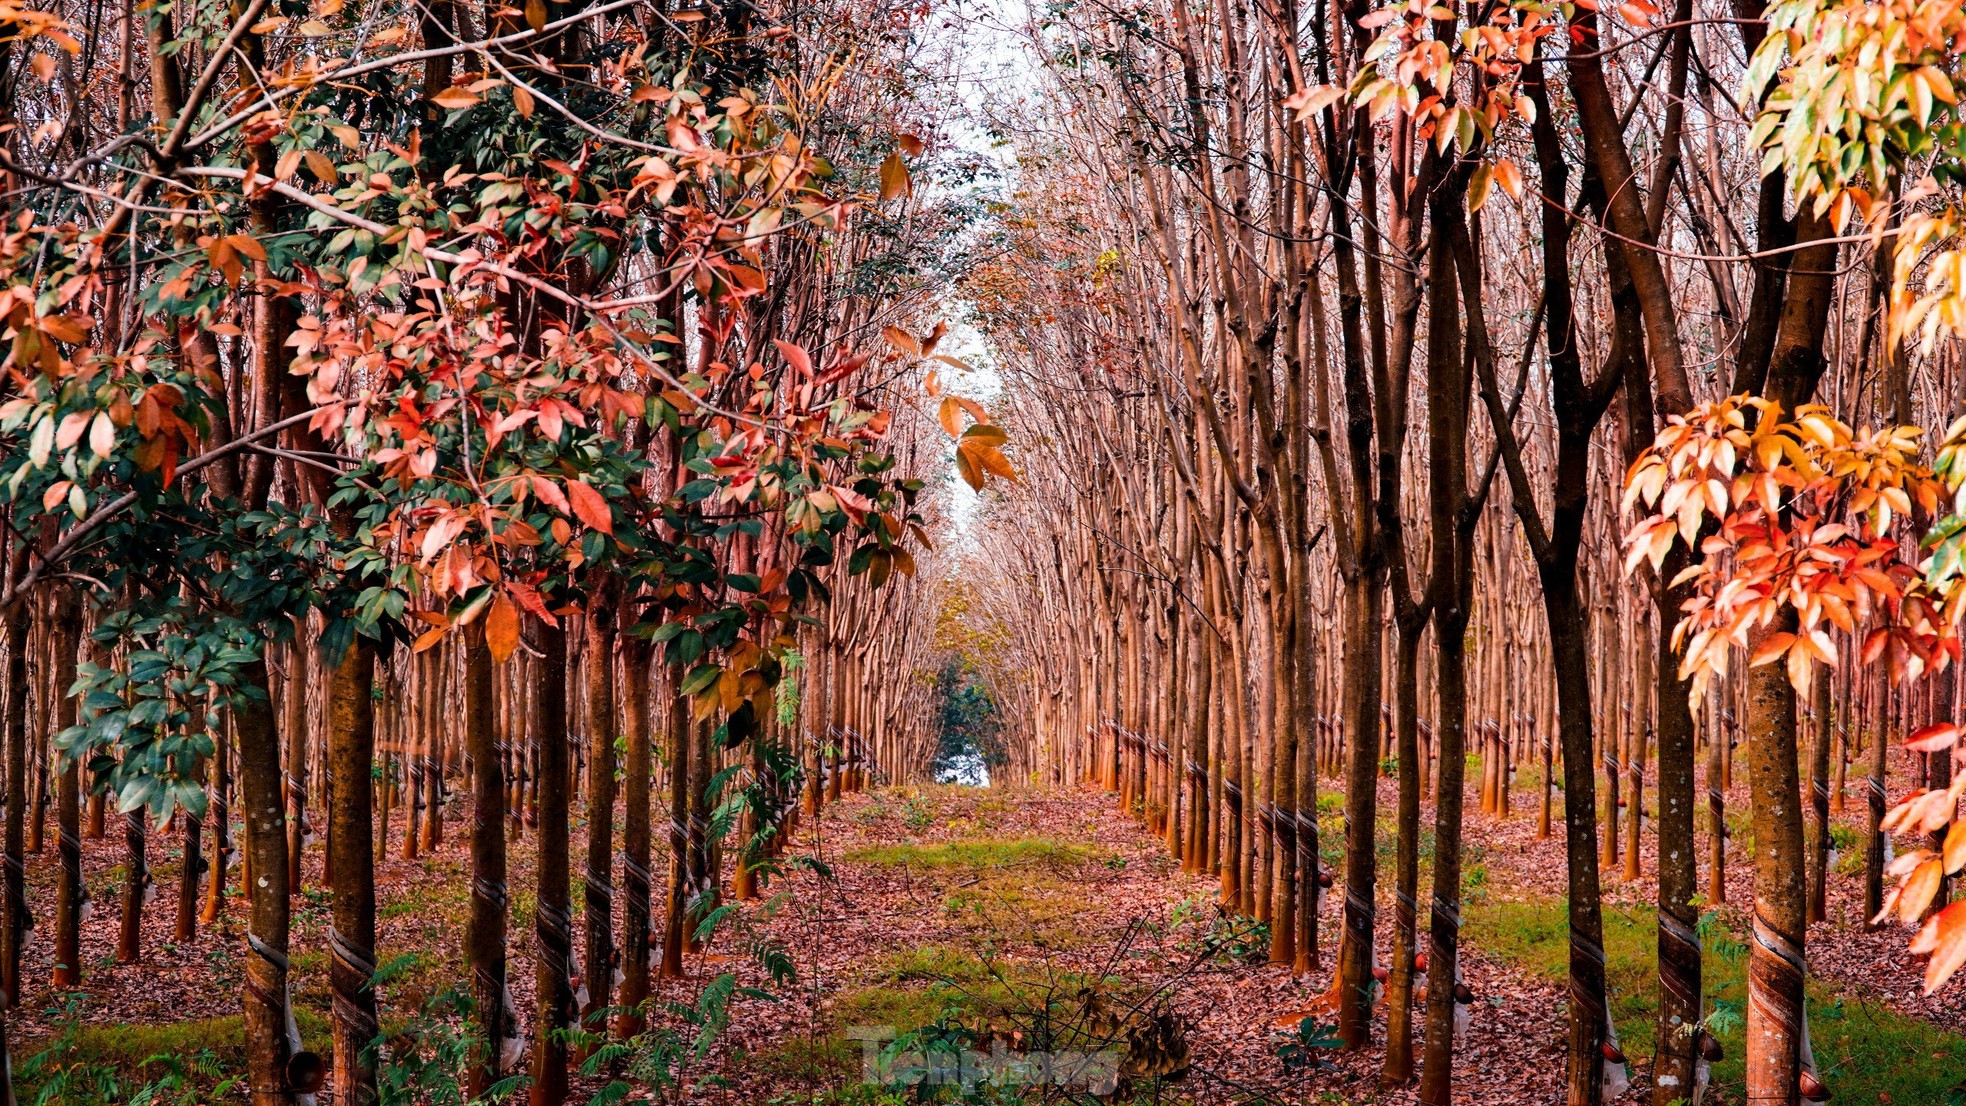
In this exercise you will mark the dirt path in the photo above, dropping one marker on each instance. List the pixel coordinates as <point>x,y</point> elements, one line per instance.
<point>975,918</point>
<point>1006,904</point>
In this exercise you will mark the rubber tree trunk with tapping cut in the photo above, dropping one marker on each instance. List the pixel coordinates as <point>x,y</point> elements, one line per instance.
<point>197,861</point>
<point>637,768</point>
<point>1620,204</point>
<point>351,843</point>
<point>1363,616</point>
<point>1679,952</point>
<point>1821,716</point>
<point>136,872</point>
<point>1449,592</point>
<point>484,936</point>
<point>677,732</point>
<point>69,890</point>
<point>597,661</point>
<point>1776,969</point>
<point>14,921</point>
<point>266,996</point>
<point>1775,965</point>
<point>300,664</point>
<point>1406,877</point>
<point>552,926</point>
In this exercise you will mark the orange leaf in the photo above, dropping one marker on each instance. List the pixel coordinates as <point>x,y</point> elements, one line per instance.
<point>1772,648</point>
<point>549,493</point>
<point>1944,939</point>
<point>794,356</point>
<point>972,472</point>
<point>248,245</point>
<point>455,98</point>
<point>1509,177</point>
<point>1916,893</point>
<point>502,629</point>
<point>590,507</point>
<point>1933,738</point>
<point>995,462</point>
<point>901,340</point>
<point>894,177</point>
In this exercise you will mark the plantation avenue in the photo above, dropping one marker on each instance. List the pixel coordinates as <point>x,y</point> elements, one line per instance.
<point>888,551</point>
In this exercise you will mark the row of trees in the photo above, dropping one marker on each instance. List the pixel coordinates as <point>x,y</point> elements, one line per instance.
<point>441,395</point>
<point>1336,333</point>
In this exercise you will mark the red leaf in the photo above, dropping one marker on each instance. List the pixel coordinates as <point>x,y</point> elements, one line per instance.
<point>550,494</point>
<point>794,356</point>
<point>502,629</point>
<point>590,507</point>
<point>1933,738</point>
<point>1944,938</point>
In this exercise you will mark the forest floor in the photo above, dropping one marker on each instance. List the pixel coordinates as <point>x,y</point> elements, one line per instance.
<point>992,920</point>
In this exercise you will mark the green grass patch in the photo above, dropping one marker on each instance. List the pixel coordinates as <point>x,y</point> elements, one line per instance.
<point>1863,1049</point>
<point>978,853</point>
<point>935,963</point>
<point>943,984</point>
<point>184,1061</point>
<point>437,899</point>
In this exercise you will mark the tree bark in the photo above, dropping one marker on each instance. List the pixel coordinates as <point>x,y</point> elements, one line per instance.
<point>1406,876</point>
<point>136,872</point>
<point>13,929</point>
<point>351,852</point>
<point>1775,965</point>
<point>636,772</point>
<point>266,998</point>
<point>1449,591</point>
<point>551,924</point>
<point>598,876</point>
<point>484,938</point>
<point>1818,845</point>
<point>70,894</point>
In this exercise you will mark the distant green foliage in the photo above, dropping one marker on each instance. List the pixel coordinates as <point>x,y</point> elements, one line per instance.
<point>971,732</point>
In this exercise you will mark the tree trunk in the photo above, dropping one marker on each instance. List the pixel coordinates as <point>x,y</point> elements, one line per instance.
<point>70,893</point>
<point>1775,965</point>
<point>266,999</point>
<point>300,663</point>
<point>136,873</point>
<point>484,937</point>
<point>1717,813</point>
<point>1450,590</point>
<point>220,815</point>
<point>1406,739</point>
<point>636,772</point>
<point>13,929</point>
<point>1363,607</point>
<point>1570,644</point>
<point>1818,847</point>
<point>1876,841</point>
<point>552,926</point>
<point>598,877</point>
<point>1674,1068</point>
<point>351,852</point>
<point>678,733</point>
